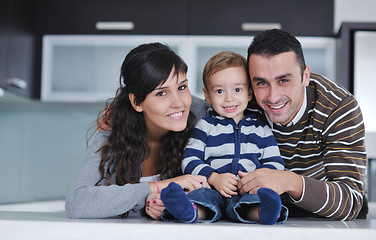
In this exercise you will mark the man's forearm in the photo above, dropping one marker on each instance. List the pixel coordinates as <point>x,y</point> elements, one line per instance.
<point>294,184</point>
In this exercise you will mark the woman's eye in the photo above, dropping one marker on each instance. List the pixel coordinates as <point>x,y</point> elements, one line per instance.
<point>238,89</point>
<point>161,93</point>
<point>182,87</point>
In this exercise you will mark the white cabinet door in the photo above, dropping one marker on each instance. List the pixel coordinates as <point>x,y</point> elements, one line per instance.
<point>87,68</point>
<point>78,68</point>
<point>364,82</point>
<point>319,53</point>
<point>364,85</point>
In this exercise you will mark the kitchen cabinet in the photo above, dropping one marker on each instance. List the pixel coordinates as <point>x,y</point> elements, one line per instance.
<point>115,17</point>
<point>145,20</point>
<point>188,17</point>
<point>18,43</point>
<point>4,24</point>
<point>86,68</point>
<point>345,51</point>
<point>319,54</point>
<point>371,177</point>
<point>246,17</point>
<point>355,70</point>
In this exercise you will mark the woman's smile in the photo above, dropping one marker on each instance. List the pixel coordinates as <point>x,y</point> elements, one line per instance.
<point>176,115</point>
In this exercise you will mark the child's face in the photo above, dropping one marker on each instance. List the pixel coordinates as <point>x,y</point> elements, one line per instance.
<point>228,92</point>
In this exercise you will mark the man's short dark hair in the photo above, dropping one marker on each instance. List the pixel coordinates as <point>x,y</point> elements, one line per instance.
<point>275,41</point>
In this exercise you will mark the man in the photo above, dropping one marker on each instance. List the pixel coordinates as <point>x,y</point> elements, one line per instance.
<point>319,129</point>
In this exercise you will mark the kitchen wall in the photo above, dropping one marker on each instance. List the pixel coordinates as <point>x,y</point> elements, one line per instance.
<point>43,145</point>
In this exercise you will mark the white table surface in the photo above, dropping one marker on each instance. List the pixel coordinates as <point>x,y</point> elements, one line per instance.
<point>48,220</point>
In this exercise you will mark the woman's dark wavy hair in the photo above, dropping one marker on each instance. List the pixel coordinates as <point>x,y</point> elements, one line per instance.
<point>144,68</point>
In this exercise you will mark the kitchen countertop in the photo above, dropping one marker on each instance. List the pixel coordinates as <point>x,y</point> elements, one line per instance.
<point>47,220</point>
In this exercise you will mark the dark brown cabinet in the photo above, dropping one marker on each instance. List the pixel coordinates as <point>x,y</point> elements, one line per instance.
<point>19,47</point>
<point>238,17</point>
<point>188,17</point>
<point>23,23</point>
<point>141,17</point>
<point>4,24</point>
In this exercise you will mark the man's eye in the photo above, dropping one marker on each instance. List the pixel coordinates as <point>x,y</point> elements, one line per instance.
<point>283,81</point>
<point>261,83</point>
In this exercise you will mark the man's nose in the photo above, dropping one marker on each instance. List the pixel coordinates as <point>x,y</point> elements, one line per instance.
<point>273,95</point>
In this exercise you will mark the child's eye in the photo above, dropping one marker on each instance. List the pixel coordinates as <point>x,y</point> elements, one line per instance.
<point>238,89</point>
<point>219,91</point>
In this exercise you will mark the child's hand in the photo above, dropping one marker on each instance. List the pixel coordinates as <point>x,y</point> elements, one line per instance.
<point>225,183</point>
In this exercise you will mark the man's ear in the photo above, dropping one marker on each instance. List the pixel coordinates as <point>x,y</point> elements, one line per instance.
<point>136,107</point>
<point>250,94</point>
<point>306,76</point>
<point>207,98</point>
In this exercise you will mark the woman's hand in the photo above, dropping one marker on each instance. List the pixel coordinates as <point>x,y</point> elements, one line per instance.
<point>154,206</point>
<point>187,182</point>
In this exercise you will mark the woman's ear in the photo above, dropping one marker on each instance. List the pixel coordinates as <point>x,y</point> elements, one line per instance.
<point>207,97</point>
<point>136,107</point>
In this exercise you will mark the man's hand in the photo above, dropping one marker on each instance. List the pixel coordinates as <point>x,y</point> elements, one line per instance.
<point>225,183</point>
<point>277,180</point>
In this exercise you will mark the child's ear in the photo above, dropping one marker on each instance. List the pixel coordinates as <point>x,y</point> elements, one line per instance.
<point>207,98</point>
<point>136,107</point>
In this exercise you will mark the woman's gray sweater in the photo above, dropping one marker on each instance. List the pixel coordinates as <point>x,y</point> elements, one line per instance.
<point>85,200</point>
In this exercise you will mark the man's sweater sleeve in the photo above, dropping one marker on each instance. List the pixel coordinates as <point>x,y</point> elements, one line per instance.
<point>340,194</point>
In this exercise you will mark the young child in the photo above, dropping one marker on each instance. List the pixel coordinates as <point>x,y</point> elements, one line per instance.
<point>222,144</point>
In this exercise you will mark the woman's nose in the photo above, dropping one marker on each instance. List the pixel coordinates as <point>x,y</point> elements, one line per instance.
<point>176,100</point>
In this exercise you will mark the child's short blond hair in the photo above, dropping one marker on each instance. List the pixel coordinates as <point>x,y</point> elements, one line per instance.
<point>222,61</point>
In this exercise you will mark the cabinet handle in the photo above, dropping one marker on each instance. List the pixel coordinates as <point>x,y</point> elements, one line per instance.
<point>114,25</point>
<point>16,82</point>
<point>248,27</point>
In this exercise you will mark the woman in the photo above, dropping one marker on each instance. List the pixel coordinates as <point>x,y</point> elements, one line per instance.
<point>150,121</point>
